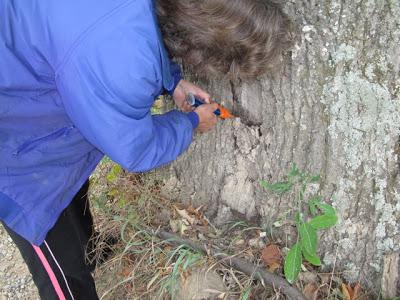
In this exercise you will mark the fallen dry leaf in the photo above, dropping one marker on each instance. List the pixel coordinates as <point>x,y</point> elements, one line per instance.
<point>273,267</point>
<point>308,277</point>
<point>325,278</point>
<point>221,296</point>
<point>175,225</point>
<point>195,211</point>
<point>311,291</point>
<point>126,271</point>
<point>272,257</point>
<point>178,226</point>
<point>239,242</point>
<point>352,293</point>
<point>185,215</point>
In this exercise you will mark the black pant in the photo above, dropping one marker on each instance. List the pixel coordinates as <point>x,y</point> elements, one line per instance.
<point>58,266</point>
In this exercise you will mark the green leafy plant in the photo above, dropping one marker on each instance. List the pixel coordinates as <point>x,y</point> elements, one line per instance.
<point>184,260</point>
<point>245,295</point>
<point>114,172</point>
<point>310,216</point>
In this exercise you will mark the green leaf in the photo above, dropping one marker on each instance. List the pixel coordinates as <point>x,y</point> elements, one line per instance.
<point>323,221</point>
<point>111,177</point>
<point>303,190</point>
<point>265,184</point>
<point>122,202</point>
<point>312,258</point>
<point>105,159</point>
<point>292,265</point>
<point>297,219</point>
<point>315,178</point>
<point>294,172</point>
<point>190,260</point>
<point>313,205</point>
<point>246,294</point>
<point>308,238</point>
<point>115,171</point>
<point>303,176</point>
<point>327,209</point>
<point>279,187</point>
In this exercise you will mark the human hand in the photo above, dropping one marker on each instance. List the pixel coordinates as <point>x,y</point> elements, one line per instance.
<point>207,118</point>
<point>183,89</point>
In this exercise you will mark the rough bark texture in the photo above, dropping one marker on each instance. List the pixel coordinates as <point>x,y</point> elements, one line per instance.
<point>390,278</point>
<point>334,110</point>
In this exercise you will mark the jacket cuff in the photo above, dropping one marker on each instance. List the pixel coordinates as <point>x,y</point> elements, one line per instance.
<point>194,119</point>
<point>176,75</point>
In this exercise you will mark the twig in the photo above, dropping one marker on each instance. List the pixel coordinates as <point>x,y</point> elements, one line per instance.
<point>237,263</point>
<point>333,271</point>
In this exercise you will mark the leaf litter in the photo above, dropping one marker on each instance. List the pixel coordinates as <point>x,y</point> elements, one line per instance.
<point>144,267</point>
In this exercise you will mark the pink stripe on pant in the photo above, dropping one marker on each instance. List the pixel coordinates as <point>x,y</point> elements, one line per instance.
<point>50,272</point>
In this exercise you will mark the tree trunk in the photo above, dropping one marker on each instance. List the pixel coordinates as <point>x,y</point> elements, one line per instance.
<point>333,110</point>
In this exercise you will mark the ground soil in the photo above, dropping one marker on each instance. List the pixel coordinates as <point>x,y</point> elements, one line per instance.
<point>15,279</point>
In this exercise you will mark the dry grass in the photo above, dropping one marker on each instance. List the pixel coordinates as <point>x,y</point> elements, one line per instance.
<point>144,267</point>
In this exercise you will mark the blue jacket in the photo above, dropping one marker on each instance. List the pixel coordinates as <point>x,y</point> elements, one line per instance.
<point>77,81</point>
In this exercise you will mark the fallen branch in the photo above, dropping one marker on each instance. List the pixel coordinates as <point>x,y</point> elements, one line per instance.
<point>237,263</point>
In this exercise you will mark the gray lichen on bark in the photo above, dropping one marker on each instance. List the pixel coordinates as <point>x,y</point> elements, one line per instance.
<point>334,110</point>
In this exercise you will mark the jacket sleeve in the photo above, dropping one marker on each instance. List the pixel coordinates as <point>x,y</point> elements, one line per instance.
<point>176,74</point>
<point>108,89</point>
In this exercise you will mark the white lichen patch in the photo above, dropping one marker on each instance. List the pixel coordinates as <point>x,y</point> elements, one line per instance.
<point>329,259</point>
<point>344,53</point>
<point>341,198</point>
<point>238,191</point>
<point>364,128</point>
<point>308,30</point>
<point>369,72</point>
<point>372,5</point>
<point>362,114</point>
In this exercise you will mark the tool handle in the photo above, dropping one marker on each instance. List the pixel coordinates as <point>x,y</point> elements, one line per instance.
<point>195,102</point>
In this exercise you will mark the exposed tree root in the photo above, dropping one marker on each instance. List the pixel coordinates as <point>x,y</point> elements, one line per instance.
<point>239,264</point>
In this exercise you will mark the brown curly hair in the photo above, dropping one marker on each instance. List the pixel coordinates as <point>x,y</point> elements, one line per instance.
<point>240,38</point>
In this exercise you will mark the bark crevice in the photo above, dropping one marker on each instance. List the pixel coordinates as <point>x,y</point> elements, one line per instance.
<point>333,110</point>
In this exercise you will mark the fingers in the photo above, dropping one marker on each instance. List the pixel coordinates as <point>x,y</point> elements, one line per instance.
<point>207,118</point>
<point>214,106</point>
<point>189,87</point>
<point>210,108</point>
<point>186,107</point>
<point>203,95</point>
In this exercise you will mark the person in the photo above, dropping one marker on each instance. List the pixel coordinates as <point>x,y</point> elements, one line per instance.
<point>77,82</point>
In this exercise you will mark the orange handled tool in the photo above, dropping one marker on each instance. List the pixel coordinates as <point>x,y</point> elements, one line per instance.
<point>221,112</point>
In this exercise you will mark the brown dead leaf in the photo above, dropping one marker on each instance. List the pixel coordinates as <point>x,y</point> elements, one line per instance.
<point>273,267</point>
<point>221,296</point>
<point>311,291</point>
<point>358,294</point>
<point>351,293</point>
<point>185,215</point>
<point>272,257</point>
<point>175,225</point>
<point>308,277</point>
<point>195,211</point>
<point>126,271</point>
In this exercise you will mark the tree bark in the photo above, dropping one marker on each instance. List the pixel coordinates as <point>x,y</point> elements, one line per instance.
<point>333,110</point>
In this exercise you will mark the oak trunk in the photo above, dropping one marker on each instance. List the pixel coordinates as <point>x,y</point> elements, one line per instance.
<point>334,110</point>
